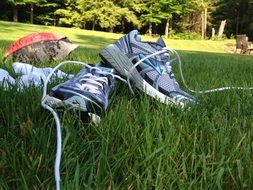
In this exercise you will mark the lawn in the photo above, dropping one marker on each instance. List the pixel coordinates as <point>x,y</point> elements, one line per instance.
<point>140,143</point>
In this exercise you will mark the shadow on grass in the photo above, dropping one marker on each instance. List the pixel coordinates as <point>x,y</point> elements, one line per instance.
<point>17,26</point>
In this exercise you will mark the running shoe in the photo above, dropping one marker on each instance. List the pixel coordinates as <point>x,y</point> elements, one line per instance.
<point>87,92</point>
<point>148,66</point>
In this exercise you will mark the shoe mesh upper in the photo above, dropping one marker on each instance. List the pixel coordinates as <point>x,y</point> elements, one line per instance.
<point>164,82</point>
<point>91,83</point>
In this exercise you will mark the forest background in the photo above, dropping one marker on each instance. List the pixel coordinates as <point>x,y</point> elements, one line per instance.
<point>178,19</point>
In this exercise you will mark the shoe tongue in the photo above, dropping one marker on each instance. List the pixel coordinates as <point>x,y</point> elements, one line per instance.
<point>161,42</point>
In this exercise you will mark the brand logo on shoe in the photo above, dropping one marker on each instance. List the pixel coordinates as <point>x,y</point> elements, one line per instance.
<point>151,63</point>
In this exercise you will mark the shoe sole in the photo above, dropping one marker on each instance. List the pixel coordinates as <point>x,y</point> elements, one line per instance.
<point>76,103</point>
<point>113,56</point>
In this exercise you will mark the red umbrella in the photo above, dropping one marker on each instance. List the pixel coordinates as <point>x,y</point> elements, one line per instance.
<point>38,47</point>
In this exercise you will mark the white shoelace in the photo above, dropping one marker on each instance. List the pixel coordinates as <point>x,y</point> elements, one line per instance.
<point>94,80</point>
<point>91,83</point>
<point>219,89</point>
<point>168,68</point>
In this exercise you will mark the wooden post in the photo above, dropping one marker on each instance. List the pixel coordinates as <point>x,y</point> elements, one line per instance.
<point>150,29</point>
<point>221,28</point>
<point>213,32</point>
<point>203,21</point>
<point>167,28</point>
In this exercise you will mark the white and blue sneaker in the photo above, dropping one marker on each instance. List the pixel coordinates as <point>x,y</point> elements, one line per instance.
<point>88,92</point>
<point>148,66</point>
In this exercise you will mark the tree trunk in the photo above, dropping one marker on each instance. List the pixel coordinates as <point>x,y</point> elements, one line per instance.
<point>31,14</point>
<point>213,32</point>
<point>93,25</point>
<point>123,25</point>
<point>84,24</point>
<point>55,21</point>
<point>167,28</point>
<point>205,22</point>
<point>111,29</point>
<point>15,13</point>
<point>150,29</point>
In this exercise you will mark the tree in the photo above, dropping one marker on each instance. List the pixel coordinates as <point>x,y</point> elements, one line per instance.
<point>15,4</point>
<point>156,11</point>
<point>39,3</point>
<point>152,14</point>
<point>91,11</point>
<point>107,14</point>
<point>239,15</point>
<point>206,5</point>
<point>194,16</point>
<point>181,15</point>
<point>31,3</point>
<point>168,8</point>
<point>45,12</point>
<point>72,14</point>
<point>129,10</point>
<point>79,12</point>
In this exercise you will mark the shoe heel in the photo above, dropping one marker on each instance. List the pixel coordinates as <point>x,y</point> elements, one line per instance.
<point>113,57</point>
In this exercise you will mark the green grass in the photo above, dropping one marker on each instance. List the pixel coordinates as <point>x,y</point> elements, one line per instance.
<point>140,143</point>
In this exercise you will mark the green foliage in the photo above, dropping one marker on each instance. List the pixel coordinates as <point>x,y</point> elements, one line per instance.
<point>185,36</point>
<point>46,19</point>
<point>16,2</point>
<point>107,14</point>
<point>223,37</point>
<point>177,15</point>
<point>152,12</point>
<point>129,16</point>
<point>69,17</point>
<point>239,15</point>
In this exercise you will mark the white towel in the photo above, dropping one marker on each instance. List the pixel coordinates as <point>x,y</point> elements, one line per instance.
<point>28,75</point>
<point>6,79</point>
<point>42,73</point>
